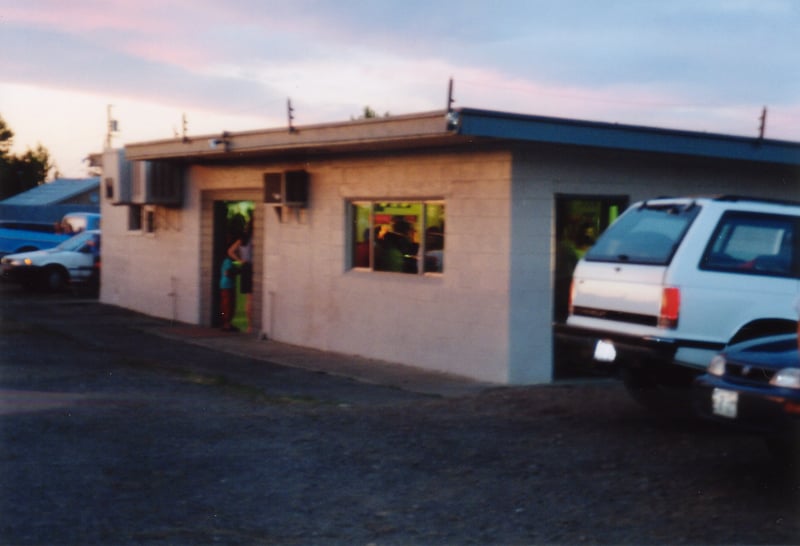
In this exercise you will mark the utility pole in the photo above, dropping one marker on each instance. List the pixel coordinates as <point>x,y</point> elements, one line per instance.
<point>763,125</point>
<point>450,99</point>
<point>111,127</point>
<point>185,128</point>
<point>290,114</point>
<point>451,116</point>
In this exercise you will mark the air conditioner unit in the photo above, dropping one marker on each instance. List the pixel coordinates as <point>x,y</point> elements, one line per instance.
<point>287,188</point>
<point>157,183</point>
<point>117,175</point>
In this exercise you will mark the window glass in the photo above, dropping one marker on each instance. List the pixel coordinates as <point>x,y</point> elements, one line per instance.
<point>362,235</point>
<point>135,218</point>
<point>645,235</point>
<point>752,243</point>
<point>398,240</point>
<point>75,243</point>
<point>149,220</point>
<point>434,238</point>
<point>393,236</point>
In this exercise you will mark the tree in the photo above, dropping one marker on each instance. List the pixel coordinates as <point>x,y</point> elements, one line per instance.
<point>6,138</point>
<point>369,113</point>
<point>20,172</point>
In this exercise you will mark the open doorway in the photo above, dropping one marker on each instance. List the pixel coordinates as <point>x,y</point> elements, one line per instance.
<point>580,220</point>
<point>233,221</point>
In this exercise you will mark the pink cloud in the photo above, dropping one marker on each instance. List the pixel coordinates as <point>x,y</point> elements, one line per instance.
<point>93,15</point>
<point>149,29</point>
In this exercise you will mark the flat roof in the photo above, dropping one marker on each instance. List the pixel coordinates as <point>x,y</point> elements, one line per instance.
<point>460,127</point>
<point>491,124</point>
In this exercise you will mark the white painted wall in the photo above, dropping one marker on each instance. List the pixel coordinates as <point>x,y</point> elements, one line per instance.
<point>455,322</point>
<point>153,273</point>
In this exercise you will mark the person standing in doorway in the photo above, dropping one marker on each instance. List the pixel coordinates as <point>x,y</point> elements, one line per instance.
<point>227,292</point>
<point>241,251</point>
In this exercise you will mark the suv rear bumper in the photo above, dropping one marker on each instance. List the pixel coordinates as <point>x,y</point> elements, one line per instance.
<point>580,343</point>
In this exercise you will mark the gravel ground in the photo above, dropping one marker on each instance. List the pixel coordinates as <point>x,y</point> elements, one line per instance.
<point>109,435</point>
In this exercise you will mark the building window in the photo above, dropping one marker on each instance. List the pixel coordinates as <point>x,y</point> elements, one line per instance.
<point>398,236</point>
<point>149,220</point>
<point>109,185</point>
<point>135,218</point>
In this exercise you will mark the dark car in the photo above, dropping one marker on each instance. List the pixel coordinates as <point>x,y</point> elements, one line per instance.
<point>755,386</point>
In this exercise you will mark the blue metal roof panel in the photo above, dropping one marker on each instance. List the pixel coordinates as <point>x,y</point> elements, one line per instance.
<point>53,192</point>
<point>483,123</point>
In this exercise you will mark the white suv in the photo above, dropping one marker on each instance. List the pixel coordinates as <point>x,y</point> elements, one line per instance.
<point>673,281</point>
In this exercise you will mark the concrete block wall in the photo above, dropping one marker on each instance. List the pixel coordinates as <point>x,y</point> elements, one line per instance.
<point>153,273</point>
<point>455,322</point>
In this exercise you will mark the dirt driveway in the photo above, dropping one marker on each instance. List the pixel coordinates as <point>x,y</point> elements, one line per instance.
<point>111,435</point>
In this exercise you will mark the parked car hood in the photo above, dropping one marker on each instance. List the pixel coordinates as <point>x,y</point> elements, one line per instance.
<point>33,255</point>
<point>773,352</point>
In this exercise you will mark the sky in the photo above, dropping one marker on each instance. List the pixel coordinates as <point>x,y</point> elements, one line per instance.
<point>700,65</point>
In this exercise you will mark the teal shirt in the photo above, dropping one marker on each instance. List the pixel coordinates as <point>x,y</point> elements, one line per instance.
<point>227,281</point>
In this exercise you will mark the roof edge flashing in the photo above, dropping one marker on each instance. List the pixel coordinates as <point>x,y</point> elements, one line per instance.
<point>491,124</point>
<point>373,130</point>
<point>468,124</point>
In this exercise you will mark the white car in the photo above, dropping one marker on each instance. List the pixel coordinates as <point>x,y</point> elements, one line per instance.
<point>76,260</point>
<point>674,281</point>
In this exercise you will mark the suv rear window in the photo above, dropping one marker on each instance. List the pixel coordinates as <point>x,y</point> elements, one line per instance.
<point>647,234</point>
<point>753,243</point>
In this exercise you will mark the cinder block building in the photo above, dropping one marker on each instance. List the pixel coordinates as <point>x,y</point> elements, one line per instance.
<point>480,202</point>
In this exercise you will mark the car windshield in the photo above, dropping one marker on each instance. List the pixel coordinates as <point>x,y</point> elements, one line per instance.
<point>75,243</point>
<point>646,234</point>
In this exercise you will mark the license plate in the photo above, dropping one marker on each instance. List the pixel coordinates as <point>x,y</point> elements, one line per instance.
<point>604,351</point>
<point>725,403</point>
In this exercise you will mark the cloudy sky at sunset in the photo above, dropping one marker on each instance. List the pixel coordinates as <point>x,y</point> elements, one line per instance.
<point>706,65</point>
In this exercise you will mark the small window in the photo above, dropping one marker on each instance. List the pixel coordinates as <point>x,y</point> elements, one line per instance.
<point>752,243</point>
<point>135,218</point>
<point>398,236</point>
<point>109,186</point>
<point>149,220</point>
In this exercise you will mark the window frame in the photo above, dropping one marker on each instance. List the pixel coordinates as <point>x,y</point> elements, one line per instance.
<point>135,219</point>
<point>422,226</point>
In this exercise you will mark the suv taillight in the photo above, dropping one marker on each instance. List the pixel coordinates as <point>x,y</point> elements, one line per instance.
<point>670,307</point>
<point>571,296</point>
